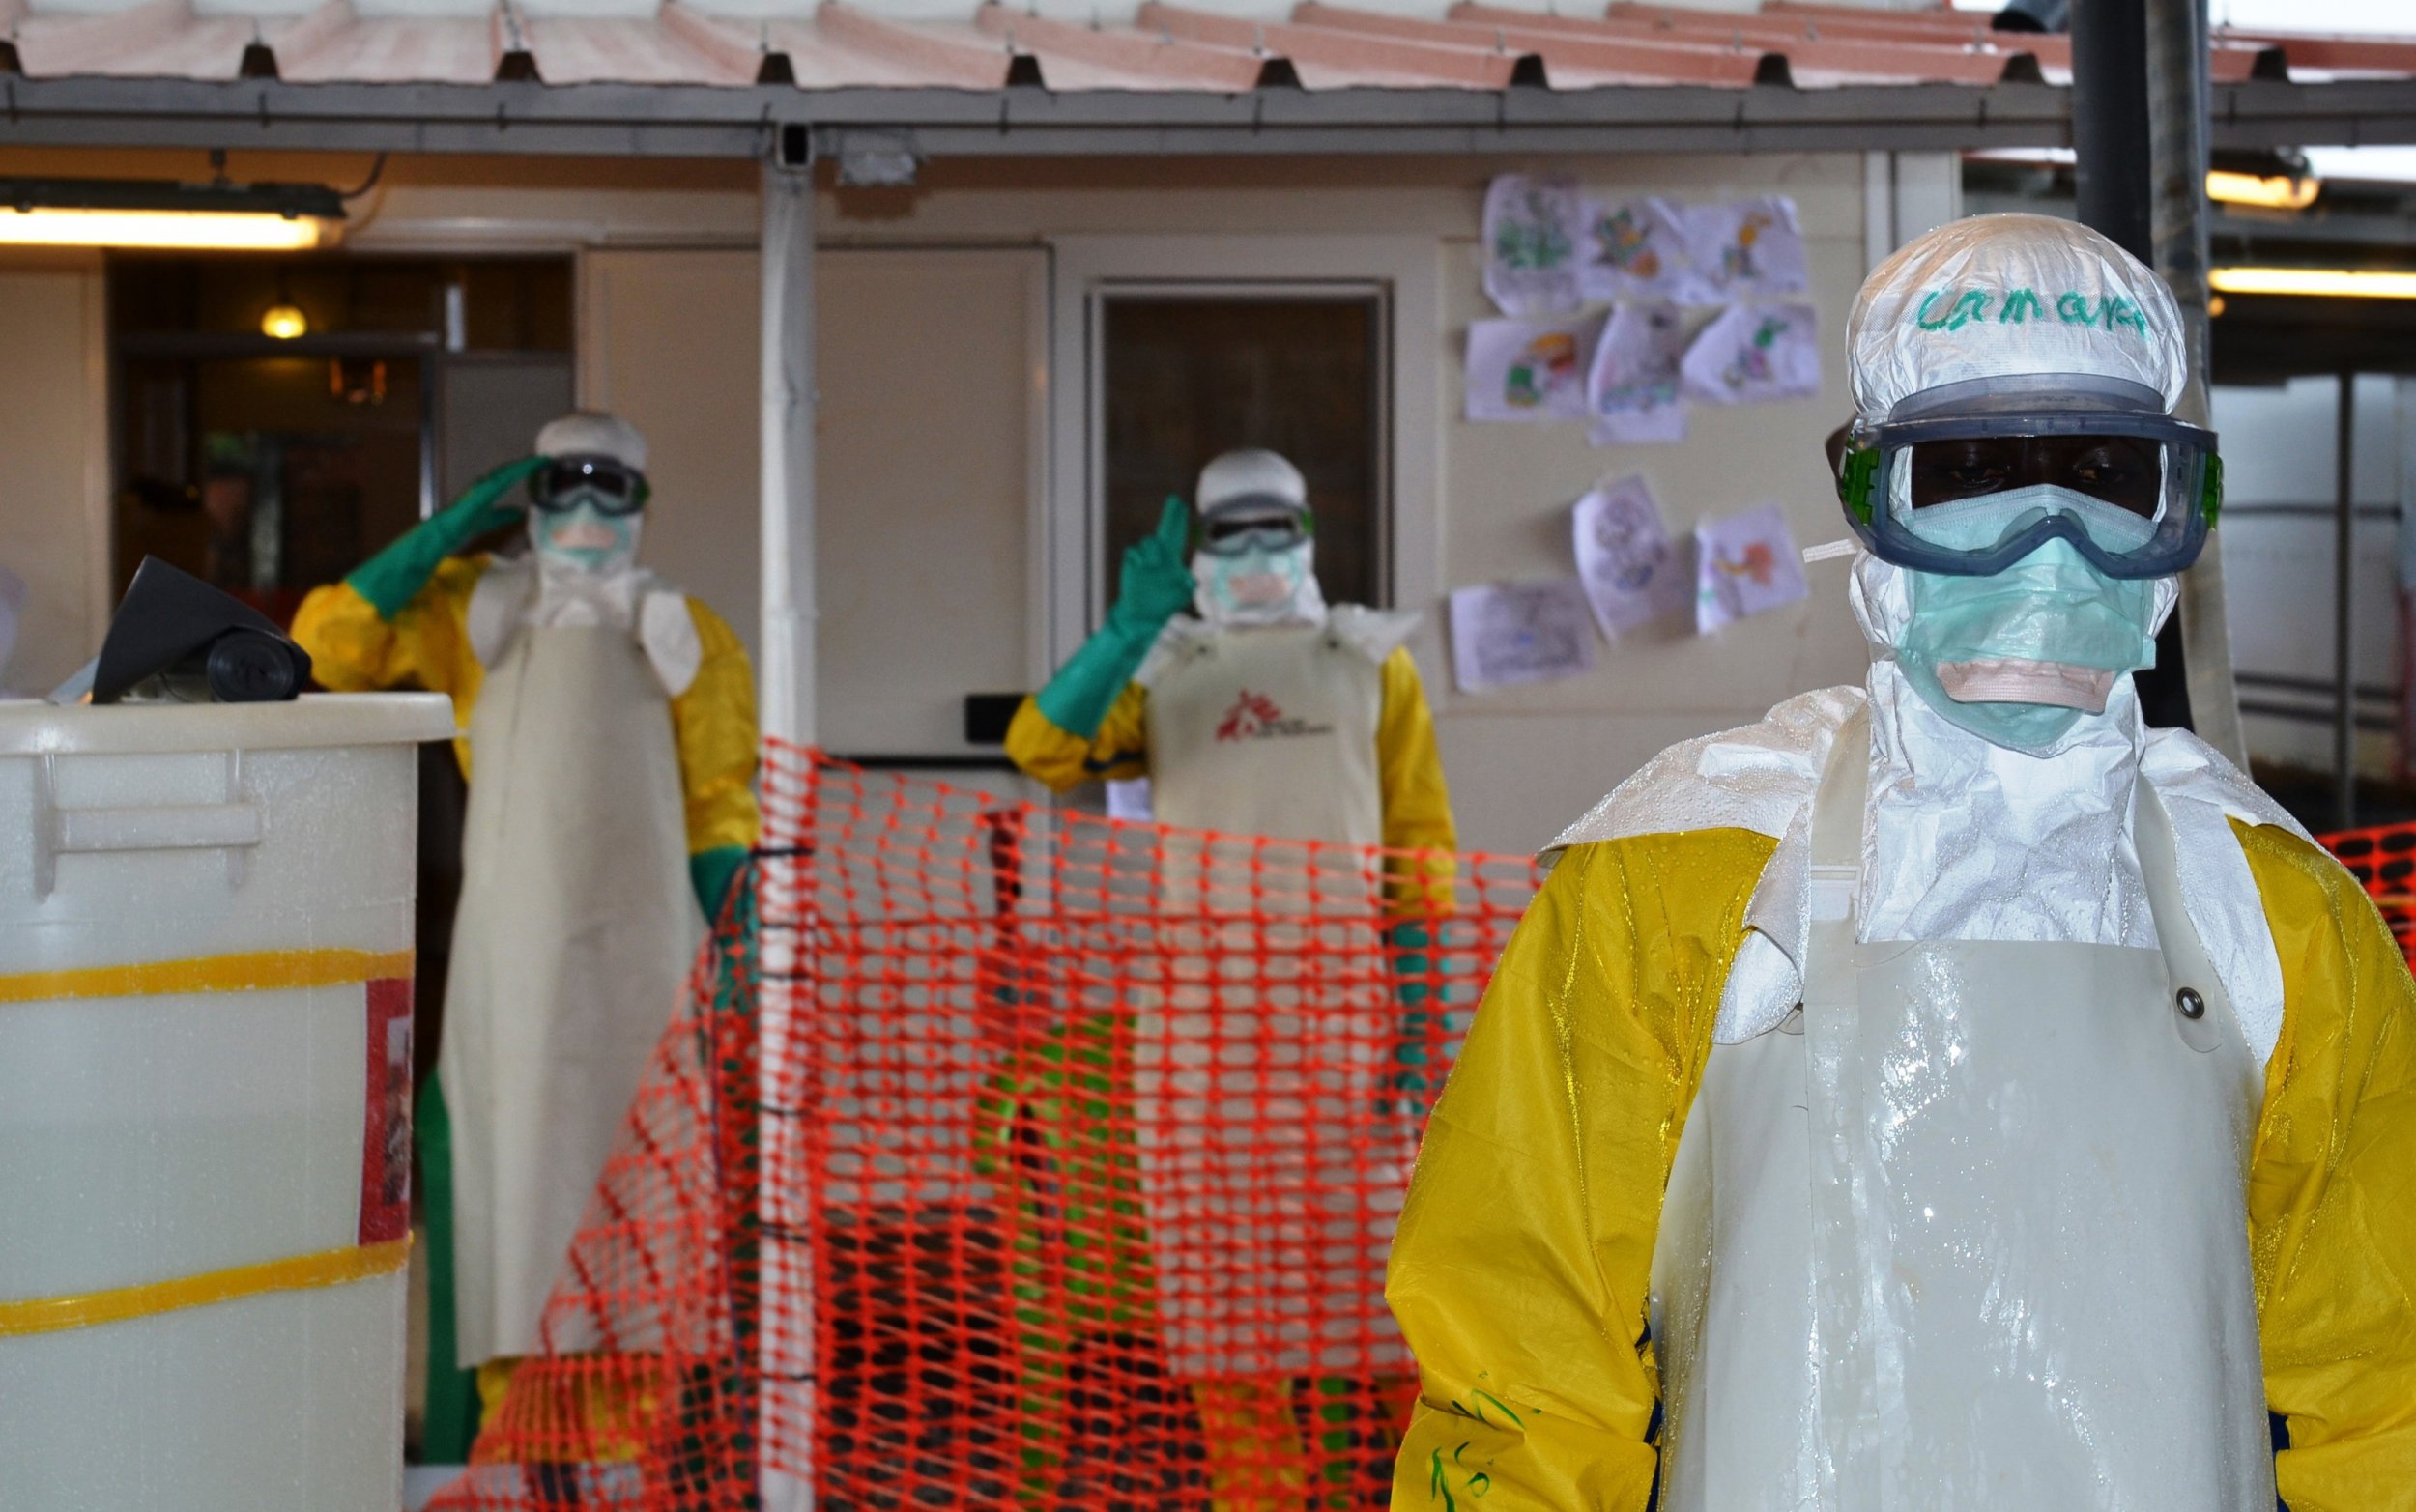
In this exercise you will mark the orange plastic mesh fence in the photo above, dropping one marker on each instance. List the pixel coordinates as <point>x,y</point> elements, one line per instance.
<point>1003,1157</point>
<point>2383,860</point>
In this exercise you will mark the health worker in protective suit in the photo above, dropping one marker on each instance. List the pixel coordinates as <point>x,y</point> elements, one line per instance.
<point>1258,712</point>
<point>1262,712</point>
<point>1947,1093</point>
<point>609,751</point>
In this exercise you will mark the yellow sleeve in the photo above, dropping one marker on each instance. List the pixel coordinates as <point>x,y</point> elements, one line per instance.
<point>714,724</point>
<point>425,646</point>
<point>2332,1187</point>
<point>1417,803</point>
<point>1525,1252</point>
<point>1063,759</point>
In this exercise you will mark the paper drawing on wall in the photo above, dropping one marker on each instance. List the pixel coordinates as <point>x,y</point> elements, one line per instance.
<point>1634,248</point>
<point>1631,384</point>
<point>1632,570</point>
<point>1753,352</point>
<point>1531,229</point>
<point>1746,564</point>
<point>1747,249</point>
<point>1510,633</point>
<point>1518,370</point>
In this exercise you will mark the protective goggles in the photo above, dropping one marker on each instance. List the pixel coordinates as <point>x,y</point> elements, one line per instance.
<point>1236,527</point>
<point>613,486</point>
<point>1979,475</point>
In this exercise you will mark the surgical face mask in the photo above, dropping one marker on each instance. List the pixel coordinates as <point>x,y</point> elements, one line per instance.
<point>579,532</point>
<point>2018,657</point>
<point>1257,584</point>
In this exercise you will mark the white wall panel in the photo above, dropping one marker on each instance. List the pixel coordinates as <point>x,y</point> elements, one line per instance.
<point>54,492</point>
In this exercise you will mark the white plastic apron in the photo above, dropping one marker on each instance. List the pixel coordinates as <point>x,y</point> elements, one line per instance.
<point>1271,1165</point>
<point>1269,732</point>
<point>1968,1232</point>
<point>570,950</point>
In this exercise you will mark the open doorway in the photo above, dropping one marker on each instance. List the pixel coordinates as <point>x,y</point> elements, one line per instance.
<point>279,420</point>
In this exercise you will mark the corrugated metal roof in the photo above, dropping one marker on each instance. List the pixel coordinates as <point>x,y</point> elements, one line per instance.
<point>1164,47</point>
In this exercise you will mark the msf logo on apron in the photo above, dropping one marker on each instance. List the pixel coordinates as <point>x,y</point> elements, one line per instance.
<point>1254,716</point>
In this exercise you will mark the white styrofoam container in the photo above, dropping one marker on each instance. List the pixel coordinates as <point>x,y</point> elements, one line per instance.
<point>151,1134</point>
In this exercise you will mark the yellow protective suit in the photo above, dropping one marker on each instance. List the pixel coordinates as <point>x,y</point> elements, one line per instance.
<point>1521,1268</point>
<point>427,645</point>
<point>1417,803</point>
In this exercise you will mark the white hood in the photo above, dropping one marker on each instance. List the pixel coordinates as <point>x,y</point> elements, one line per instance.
<point>1964,839</point>
<point>1972,840</point>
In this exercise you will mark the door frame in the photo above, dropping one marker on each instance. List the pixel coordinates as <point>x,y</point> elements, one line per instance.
<point>1403,271</point>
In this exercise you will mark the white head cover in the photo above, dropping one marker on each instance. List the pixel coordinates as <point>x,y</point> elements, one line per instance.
<point>591,433</point>
<point>1254,482</point>
<point>1998,296</point>
<point>1252,475</point>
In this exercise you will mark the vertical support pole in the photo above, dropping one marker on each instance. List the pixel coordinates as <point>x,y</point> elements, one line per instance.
<point>1879,209</point>
<point>2343,674</point>
<point>2110,148</point>
<point>2178,93</point>
<point>787,678</point>
<point>2110,121</point>
<point>787,699</point>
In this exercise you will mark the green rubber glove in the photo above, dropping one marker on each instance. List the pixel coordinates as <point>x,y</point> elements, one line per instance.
<point>394,576</point>
<point>1154,586</point>
<point>1411,966</point>
<point>710,872</point>
<point>1410,950</point>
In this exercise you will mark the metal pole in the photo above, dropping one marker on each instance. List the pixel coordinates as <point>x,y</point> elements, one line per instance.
<point>2109,124</point>
<point>2344,682</point>
<point>786,680</point>
<point>786,677</point>
<point>2178,94</point>
<point>2112,144</point>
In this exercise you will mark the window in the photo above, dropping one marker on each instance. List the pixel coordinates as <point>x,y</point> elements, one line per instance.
<point>1184,377</point>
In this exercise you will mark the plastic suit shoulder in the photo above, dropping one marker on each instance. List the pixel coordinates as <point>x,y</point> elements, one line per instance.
<point>1757,777</point>
<point>2212,804</point>
<point>1374,633</point>
<point>426,645</point>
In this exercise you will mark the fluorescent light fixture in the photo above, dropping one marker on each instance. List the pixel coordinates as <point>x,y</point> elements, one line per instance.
<point>265,217</point>
<point>155,228</point>
<point>2276,192</point>
<point>2323,282</point>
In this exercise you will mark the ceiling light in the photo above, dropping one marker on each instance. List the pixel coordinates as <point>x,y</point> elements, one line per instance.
<point>2279,192</point>
<point>2328,282</point>
<point>135,213</point>
<point>284,321</point>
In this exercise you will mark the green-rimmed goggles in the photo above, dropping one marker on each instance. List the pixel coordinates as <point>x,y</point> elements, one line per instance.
<point>611,485</point>
<point>1269,521</point>
<point>1968,478</point>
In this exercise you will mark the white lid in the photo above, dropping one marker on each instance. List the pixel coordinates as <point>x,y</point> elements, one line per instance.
<point>31,728</point>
